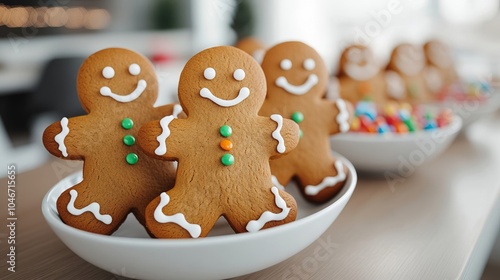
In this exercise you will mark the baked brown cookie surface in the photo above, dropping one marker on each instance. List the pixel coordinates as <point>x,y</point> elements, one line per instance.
<point>296,84</point>
<point>440,62</point>
<point>360,78</point>
<point>253,47</point>
<point>223,149</point>
<point>117,87</point>
<point>408,62</point>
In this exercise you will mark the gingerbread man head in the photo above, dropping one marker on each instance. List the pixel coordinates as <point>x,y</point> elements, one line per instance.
<point>358,63</point>
<point>407,59</point>
<point>438,54</point>
<point>360,77</point>
<point>207,86</point>
<point>116,75</point>
<point>295,69</point>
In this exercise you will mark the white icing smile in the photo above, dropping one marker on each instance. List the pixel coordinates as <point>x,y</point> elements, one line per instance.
<point>141,86</point>
<point>109,73</point>
<point>242,95</point>
<point>361,73</point>
<point>238,75</point>
<point>311,81</point>
<point>353,69</point>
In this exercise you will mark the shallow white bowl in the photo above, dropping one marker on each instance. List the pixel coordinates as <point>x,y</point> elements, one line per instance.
<point>130,252</point>
<point>394,152</point>
<point>472,110</point>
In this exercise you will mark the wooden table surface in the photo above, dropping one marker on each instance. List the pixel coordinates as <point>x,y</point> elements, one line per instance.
<point>440,223</point>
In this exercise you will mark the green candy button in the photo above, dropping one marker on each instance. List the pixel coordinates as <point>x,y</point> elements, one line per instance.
<point>128,140</point>
<point>127,123</point>
<point>132,158</point>
<point>297,117</point>
<point>226,130</point>
<point>227,159</point>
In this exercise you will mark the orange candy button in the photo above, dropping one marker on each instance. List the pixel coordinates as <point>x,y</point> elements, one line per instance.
<point>226,145</point>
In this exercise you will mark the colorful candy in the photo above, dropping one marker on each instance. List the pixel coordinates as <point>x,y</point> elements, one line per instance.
<point>465,91</point>
<point>397,118</point>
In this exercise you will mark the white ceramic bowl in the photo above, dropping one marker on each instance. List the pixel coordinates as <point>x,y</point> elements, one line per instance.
<point>130,252</point>
<point>472,110</point>
<point>392,152</point>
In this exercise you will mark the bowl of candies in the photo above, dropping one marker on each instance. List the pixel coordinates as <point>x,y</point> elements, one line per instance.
<point>396,137</point>
<point>470,100</point>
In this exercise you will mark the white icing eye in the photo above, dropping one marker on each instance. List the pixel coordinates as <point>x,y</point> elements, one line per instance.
<point>209,73</point>
<point>108,72</point>
<point>134,69</point>
<point>309,64</point>
<point>239,74</point>
<point>286,64</point>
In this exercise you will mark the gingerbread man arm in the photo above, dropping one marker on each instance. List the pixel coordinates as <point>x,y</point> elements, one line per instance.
<point>63,139</point>
<point>154,138</point>
<point>343,116</point>
<point>170,109</point>
<point>284,136</point>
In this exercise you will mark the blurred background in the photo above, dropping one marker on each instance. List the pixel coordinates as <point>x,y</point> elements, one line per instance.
<point>43,42</point>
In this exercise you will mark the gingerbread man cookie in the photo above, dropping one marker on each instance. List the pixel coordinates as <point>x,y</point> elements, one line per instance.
<point>408,63</point>
<point>253,47</point>
<point>296,84</point>
<point>117,87</point>
<point>359,76</point>
<point>440,64</point>
<point>223,149</point>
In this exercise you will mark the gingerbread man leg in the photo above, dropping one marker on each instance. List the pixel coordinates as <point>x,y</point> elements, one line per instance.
<point>320,181</point>
<point>82,212</point>
<point>282,174</point>
<point>270,208</point>
<point>172,216</point>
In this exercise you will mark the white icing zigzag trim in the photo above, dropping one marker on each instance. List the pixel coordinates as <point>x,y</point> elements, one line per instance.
<point>93,208</point>
<point>256,225</point>
<point>141,86</point>
<point>59,138</point>
<point>242,95</point>
<point>328,181</point>
<point>179,219</point>
<point>177,110</point>
<point>277,133</point>
<point>343,116</point>
<point>282,82</point>
<point>164,123</point>
<point>276,183</point>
